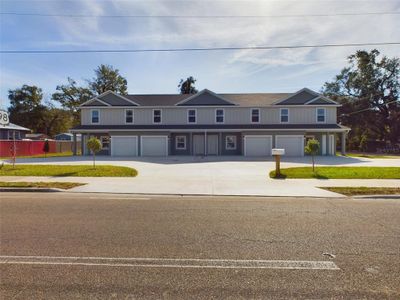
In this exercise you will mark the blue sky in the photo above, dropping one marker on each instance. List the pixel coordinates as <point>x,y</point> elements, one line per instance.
<point>236,71</point>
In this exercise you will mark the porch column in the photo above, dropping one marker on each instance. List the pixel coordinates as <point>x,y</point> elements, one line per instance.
<point>343,150</point>
<point>74,144</point>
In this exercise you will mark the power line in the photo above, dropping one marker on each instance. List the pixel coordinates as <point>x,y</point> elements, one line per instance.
<point>366,109</point>
<point>195,49</point>
<point>197,16</point>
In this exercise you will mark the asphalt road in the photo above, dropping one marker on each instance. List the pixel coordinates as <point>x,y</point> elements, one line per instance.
<point>196,247</point>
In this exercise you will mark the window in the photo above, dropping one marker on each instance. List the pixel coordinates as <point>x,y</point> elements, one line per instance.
<point>255,115</point>
<point>230,142</point>
<point>129,116</point>
<point>219,116</point>
<point>284,115</point>
<point>320,115</point>
<point>105,142</point>
<point>191,116</point>
<point>11,135</point>
<point>157,116</point>
<point>95,116</point>
<point>180,142</point>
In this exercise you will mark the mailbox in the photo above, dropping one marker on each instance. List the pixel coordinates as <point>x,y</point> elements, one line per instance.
<point>278,151</point>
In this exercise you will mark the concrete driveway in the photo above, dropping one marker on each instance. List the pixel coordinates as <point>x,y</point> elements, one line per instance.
<point>211,175</point>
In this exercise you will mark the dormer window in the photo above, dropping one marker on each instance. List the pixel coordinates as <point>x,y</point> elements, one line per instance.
<point>219,116</point>
<point>284,115</point>
<point>255,115</point>
<point>191,116</point>
<point>157,116</point>
<point>321,115</point>
<point>129,116</point>
<point>95,116</point>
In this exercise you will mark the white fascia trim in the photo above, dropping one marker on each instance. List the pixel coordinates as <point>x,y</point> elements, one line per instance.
<point>212,130</point>
<point>202,92</point>
<point>208,106</point>
<point>323,98</point>
<point>118,95</point>
<point>93,100</point>
<point>296,93</point>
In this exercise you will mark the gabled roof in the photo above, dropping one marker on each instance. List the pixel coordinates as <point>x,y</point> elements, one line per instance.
<point>209,98</point>
<point>205,98</point>
<point>110,98</point>
<point>13,126</point>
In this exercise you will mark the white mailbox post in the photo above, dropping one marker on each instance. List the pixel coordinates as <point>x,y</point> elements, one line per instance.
<point>277,153</point>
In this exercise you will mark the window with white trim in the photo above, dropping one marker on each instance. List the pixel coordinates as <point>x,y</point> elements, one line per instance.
<point>105,142</point>
<point>219,116</point>
<point>95,116</point>
<point>157,116</point>
<point>321,115</point>
<point>129,116</point>
<point>230,142</point>
<point>284,115</point>
<point>180,142</point>
<point>191,116</point>
<point>255,115</point>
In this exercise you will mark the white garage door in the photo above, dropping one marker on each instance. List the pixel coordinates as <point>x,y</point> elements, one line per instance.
<point>154,146</point>
<point>257,145</point>
<point>124,146</point>
<point>293,144</point>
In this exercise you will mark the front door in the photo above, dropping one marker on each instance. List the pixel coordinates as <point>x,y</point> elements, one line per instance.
<point>198,144</point>
<point>212,144</point>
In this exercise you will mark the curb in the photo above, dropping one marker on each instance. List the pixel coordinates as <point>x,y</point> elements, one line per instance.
<point>395,196</point>
<point>30,190</point>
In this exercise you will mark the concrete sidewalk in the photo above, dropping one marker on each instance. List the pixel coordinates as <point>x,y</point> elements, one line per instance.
<point>239,176</point>
<point>212,186</point>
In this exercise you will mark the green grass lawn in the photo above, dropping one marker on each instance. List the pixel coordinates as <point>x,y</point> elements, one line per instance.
<point>341,173</point>
<point>58,185</point>
<point>60,154</point>
<point>362,190</point>
<point>369,155</point>
<point>67,170</point>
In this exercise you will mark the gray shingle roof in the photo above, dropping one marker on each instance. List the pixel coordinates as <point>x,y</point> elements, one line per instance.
<point>209,99</point>
<point>211,126</point>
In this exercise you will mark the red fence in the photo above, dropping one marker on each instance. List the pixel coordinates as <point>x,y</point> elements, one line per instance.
<point>25,148</point>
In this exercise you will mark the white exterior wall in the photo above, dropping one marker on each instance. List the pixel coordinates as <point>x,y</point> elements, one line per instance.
<point>206,115</point>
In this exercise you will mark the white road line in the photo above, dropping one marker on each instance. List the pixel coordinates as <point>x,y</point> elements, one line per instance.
<point>169,262</point>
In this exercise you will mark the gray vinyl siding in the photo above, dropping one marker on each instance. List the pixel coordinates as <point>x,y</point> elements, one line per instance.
<point>206,115</point>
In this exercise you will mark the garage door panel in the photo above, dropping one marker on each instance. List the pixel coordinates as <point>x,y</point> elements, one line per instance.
<point>154,146</point>
<point>258,145</point>
<point>124,146</point>
<point>293,145</point>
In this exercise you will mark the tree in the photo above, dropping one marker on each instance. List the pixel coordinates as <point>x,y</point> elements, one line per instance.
<point>26,108</point>
<point>71,96</point>
<point>94,145</point>
<point>187,86</point>
<point>107,79</point>
<point>46,147</point>
<point>312,149</point>
<point>370,84</point>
